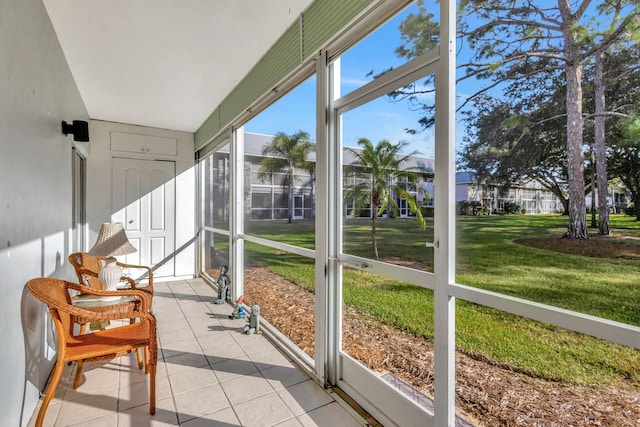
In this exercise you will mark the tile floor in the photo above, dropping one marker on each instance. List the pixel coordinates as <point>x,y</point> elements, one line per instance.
<point>209,374</point>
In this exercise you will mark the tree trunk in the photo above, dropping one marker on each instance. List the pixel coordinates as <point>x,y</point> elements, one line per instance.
<point>577,228</point>
<point>636,205</point>
<point>594,224</point>
<point>600,147</point>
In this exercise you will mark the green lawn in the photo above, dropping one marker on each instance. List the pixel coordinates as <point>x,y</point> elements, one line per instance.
<point>488,258</point>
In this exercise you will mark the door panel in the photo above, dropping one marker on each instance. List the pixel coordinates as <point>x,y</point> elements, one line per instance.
<point>144,201</point>
<point>298,206</point>
<point>404,207</point>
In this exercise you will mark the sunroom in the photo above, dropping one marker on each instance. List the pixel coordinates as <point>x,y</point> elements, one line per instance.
<point>168,90</point>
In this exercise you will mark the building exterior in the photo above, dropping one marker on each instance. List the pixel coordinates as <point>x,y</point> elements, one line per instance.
<point>531,197</point>
<point>267,199</point>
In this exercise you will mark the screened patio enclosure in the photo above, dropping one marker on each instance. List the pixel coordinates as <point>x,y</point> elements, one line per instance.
<point>223,192</point>
<point>227,234</point>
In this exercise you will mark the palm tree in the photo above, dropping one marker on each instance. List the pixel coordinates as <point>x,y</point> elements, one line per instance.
<point>378,168</point>
<point>286,153</point>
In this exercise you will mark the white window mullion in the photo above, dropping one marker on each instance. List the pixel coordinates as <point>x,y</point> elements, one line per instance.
<point>322,219</point>
<point>334,312</point>
<point>328,319</point>
<point>444,222</point>
<point>236,223</point>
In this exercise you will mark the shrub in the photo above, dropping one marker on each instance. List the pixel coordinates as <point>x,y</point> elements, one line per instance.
<point>426,211</point>
<point>511,208</point>
<point>630,210</point>
<point>471,207</point>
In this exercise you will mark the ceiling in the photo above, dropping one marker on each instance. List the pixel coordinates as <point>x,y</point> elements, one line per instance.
<point>164,63</point>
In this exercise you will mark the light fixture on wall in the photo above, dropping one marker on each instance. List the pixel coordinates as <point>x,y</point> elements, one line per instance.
<point>112,241</point>
<point>79,129</point>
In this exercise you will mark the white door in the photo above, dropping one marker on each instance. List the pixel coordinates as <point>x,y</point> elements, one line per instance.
<point>298,206</point>
<point>404,208</point>
<point>143,199</point>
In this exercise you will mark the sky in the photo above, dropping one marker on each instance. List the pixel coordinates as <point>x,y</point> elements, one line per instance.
<point>381,118</point>
<point>377,120</point>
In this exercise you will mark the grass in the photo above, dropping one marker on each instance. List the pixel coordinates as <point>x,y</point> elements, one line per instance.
<point>488,257</point>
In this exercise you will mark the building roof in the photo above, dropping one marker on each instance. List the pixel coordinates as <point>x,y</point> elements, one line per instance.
<point>465,177</point>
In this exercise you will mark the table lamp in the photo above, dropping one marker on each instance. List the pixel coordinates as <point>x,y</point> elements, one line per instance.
<point>112,241</point>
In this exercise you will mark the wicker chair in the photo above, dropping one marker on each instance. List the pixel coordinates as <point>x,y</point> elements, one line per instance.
<point>87,268</point>
<point>101,345</point>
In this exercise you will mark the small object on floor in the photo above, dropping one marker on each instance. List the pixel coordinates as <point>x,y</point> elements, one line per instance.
<point>223,286</point>
<point>253,327</point>
<point>238,310</point>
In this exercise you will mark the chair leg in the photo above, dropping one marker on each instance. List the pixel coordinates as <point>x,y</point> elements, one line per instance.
<point>152,389</point>
<point>76,381</point>
<point>146,360</point>
<point>139,355</point>
<point>53,384</point>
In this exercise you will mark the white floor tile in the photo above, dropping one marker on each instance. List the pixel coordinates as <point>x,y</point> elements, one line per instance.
<point>85,409</point>
<point>215,337</point>
<point>167,325</point>
<point>230,369</point>
<point>110,420</point>
<point>130,375</point>
<point>200,402</point>
<point>269,358</point>
<point>330,415</point>
<point>245,388</point>
<point>50,416</point>
<point>138,394</point>
<point>192,379</point>
<point>293,422</point>
<point>223,418</point>
<point>139,416</point>
<point>264,411</point>
<point>97,378</point>
<point>184,361</point>
<point>185,346</point>
<point>304,397</point>
<point>167,337</point>
<point>284,376</point>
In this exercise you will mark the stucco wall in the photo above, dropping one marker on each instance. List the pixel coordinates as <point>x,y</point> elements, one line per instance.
<point>37,92</point>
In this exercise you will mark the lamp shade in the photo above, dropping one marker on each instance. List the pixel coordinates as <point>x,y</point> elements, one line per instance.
<point>112,241</point>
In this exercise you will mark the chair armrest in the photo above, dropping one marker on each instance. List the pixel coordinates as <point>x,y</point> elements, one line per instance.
<point>142,267</point>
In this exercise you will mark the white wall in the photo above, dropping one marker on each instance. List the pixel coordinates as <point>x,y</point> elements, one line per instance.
<point>37,92</point>
<point>99,207</point>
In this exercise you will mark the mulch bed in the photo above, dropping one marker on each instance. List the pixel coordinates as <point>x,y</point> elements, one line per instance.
<point>616,246</point>
<point>487,393</point>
